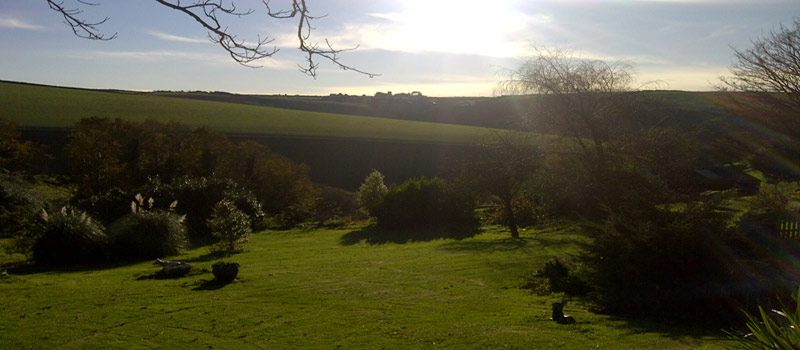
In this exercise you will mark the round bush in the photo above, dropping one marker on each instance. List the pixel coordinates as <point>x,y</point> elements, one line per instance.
<point>68,237</point>
<point>147,235</point>
<point>225,272</point>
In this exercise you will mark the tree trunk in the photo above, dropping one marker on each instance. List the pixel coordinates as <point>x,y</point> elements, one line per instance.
<point>512,222</point>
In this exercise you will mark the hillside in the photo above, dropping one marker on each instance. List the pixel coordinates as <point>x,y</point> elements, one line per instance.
<point>36,106</point>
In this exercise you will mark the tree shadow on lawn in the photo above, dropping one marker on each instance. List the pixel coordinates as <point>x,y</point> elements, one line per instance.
<point>509,244</point>
<point>672,329</point>
<point>211,284</point>
<point>375,235</point>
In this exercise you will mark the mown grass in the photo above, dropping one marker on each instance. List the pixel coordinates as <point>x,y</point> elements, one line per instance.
<point>326,289</point>
<point>43,106</point>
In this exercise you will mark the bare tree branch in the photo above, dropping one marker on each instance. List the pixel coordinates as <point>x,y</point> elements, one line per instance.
<point>206,13</point>
<point>209,14</point>
<point>81,27</point>
<point>300,11</point>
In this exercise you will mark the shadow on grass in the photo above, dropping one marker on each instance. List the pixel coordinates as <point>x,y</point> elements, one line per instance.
<point>208,257</point>
<point>685,331</point>
<point>374,235</point>
<point>210,285</point>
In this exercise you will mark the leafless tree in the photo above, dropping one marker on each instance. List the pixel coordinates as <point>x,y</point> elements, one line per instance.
<point>579,98</point>
<point>771,68</point>
<point>210,14</point>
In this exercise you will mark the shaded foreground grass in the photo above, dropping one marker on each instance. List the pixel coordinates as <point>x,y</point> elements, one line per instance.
<point>316,290</point>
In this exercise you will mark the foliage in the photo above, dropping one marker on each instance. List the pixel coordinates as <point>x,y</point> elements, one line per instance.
<point>686,263</point>
<point>336,206</point>
<point>503,166</point>
<point>16,155</point>
<point>563,275</point>
<point>277,182</point>
<point>526,212</point>
<point>147,232</point>
<point>775,330</point>
<point>579,98</point>
<point>198,196</point>
<point>106,153</point>
<point>20,202</point>
<point>225,272</point>
<point>67,237</point>
<point>371,192</point>
<point>229,226</point>
<point>422,202</point>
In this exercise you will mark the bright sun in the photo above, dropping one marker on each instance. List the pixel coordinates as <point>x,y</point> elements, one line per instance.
<point>453,26</point>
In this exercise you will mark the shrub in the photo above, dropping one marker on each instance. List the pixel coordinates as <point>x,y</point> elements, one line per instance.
<point>68,237</point>
<point>148,233</point>
<point>225,272</point>
<point>197,197</point>
<point>685,263</point>
<point>230,227</point>
<point>423,202</point>
<point>336,205</point>
<point>565,275</point>
<point>19,204</point>
<point>371,192</point>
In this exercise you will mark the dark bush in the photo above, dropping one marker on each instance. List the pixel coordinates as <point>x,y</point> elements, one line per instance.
<point>225,272</point>
<point>68,237</point>
<point>685,263</point>
<point>20,202</point>
<point>147,233</point>
<point>107,206</point>
<point>197,197</point>
<point>423,202</point>
<point>336,204</point>
<point>566,275</point>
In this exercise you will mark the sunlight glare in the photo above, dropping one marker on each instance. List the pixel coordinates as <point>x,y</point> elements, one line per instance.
<point>456,26</point>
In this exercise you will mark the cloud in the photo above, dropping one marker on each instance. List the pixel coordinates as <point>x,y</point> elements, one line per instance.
<point>170,37</point>
<point>7,22</point>
<point>216,58</point>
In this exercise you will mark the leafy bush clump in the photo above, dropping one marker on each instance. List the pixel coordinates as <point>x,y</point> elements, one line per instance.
<point>336,207</point>
<point>67,237</point>
<point>230,227</point>
<point>19,204</point>
<point>225,272</point>
<point>423,202</point>
<point>685,263</point>
<point>198,197</point>
<point>148,233</point>
<point>371,192</point>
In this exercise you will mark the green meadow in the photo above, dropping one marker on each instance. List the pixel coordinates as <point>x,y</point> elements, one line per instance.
<point>34,106</point>
<point>349,288</point>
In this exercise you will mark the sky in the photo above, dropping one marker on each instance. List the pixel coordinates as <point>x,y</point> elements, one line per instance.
<point>437,47</point>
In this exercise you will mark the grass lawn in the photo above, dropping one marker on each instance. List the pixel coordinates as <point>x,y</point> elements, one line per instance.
<point>326,289</point>
<point>43,106</point>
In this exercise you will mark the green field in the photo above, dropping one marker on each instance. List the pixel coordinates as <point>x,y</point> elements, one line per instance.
<point>42,106</point>
<point>326,289</point>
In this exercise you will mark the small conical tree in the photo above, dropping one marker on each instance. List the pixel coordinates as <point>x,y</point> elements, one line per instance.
<point>371,192</point>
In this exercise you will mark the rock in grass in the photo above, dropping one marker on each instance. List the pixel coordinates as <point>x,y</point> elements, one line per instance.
<point>172,269</point>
